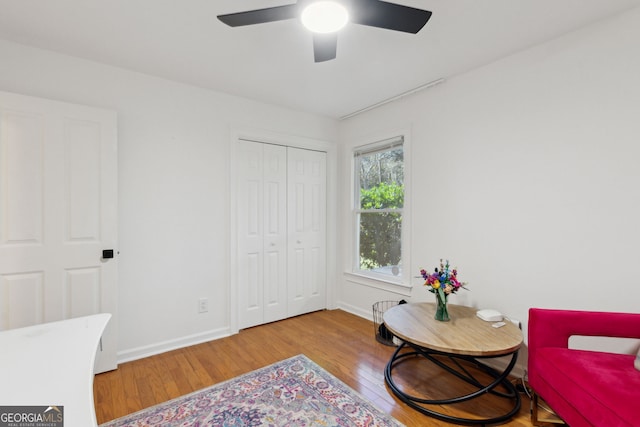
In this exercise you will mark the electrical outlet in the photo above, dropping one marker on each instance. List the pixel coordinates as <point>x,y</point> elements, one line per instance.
<point>203,305</point>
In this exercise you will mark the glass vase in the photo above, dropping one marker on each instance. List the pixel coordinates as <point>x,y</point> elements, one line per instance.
<point>442,314</point>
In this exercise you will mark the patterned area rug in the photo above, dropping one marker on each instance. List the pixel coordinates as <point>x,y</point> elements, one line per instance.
<point>295,392</point>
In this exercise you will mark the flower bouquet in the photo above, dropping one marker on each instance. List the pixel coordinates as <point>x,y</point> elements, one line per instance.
<point>442,282</point>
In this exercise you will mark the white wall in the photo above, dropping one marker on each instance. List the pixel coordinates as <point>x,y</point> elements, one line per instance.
<point>174,179</point>
<point>525,175</point>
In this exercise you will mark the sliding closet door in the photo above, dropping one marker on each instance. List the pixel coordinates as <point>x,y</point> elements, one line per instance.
<point>307,217</point>
<point>262,233</point>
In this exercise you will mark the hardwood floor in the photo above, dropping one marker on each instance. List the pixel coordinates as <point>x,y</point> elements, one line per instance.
<point>342,343</point>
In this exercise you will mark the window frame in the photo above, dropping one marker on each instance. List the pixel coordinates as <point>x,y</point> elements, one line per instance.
<point>372,278</point>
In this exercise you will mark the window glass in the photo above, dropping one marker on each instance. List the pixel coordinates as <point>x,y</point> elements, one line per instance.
<point>379,200</point>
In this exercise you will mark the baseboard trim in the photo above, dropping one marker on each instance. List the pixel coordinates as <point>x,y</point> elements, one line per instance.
<point>163,347</point>
<point>500,364</point>
<point>356,310</point>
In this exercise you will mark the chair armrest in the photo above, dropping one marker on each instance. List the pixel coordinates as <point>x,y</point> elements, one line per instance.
<point>553,328</point>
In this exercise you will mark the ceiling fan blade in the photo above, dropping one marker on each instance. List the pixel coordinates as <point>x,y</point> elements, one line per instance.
<point>324,46</point>
<point>260,16</point>
<point>391,16</point>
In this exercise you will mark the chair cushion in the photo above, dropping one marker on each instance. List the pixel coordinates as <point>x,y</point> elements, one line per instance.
<point>599,385</point>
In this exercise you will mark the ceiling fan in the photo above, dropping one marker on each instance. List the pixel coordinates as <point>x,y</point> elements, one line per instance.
<point>373,13</point>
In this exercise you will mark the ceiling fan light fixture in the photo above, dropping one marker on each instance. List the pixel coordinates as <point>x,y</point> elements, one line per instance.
<point>324,16</point>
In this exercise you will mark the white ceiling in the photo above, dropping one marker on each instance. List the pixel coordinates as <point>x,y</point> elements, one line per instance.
<point>182,40</point>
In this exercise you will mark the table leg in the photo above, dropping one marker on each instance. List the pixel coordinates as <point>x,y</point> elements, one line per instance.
<point>418,403</point>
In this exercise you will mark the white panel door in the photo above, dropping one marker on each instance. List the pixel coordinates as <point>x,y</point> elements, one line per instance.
<point>261,212</point>
<point>307,213</point>
<point>58,200</point>
<point>275,232</point>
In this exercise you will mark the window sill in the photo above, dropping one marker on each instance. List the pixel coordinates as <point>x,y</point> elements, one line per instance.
<point>379,282</point>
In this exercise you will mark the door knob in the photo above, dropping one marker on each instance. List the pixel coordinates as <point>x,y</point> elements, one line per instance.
<point>107,253</point>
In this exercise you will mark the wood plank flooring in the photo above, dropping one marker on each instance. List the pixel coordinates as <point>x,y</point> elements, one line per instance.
<point>342,343</point>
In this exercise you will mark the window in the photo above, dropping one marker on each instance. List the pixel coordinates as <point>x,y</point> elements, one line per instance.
<point>379,203</point>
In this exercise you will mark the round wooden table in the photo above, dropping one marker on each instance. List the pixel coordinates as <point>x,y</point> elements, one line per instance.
<point>465,337</point>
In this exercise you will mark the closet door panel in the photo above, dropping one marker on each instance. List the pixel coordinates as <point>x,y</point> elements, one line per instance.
<point>307,231</point>
<point>281,217</point>
<point>261,211</point>
<point>250,234</point>
<point>275,226</point>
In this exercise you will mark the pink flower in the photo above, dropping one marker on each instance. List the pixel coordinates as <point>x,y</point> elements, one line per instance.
<point>442,278</point>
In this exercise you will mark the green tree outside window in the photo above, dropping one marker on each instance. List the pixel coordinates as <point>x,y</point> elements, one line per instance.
<point>381,200</point>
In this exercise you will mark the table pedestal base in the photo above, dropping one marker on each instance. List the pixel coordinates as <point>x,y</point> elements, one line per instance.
<point>459,371</point>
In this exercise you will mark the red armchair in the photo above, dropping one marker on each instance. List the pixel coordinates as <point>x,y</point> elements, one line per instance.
<point>585,388</point>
